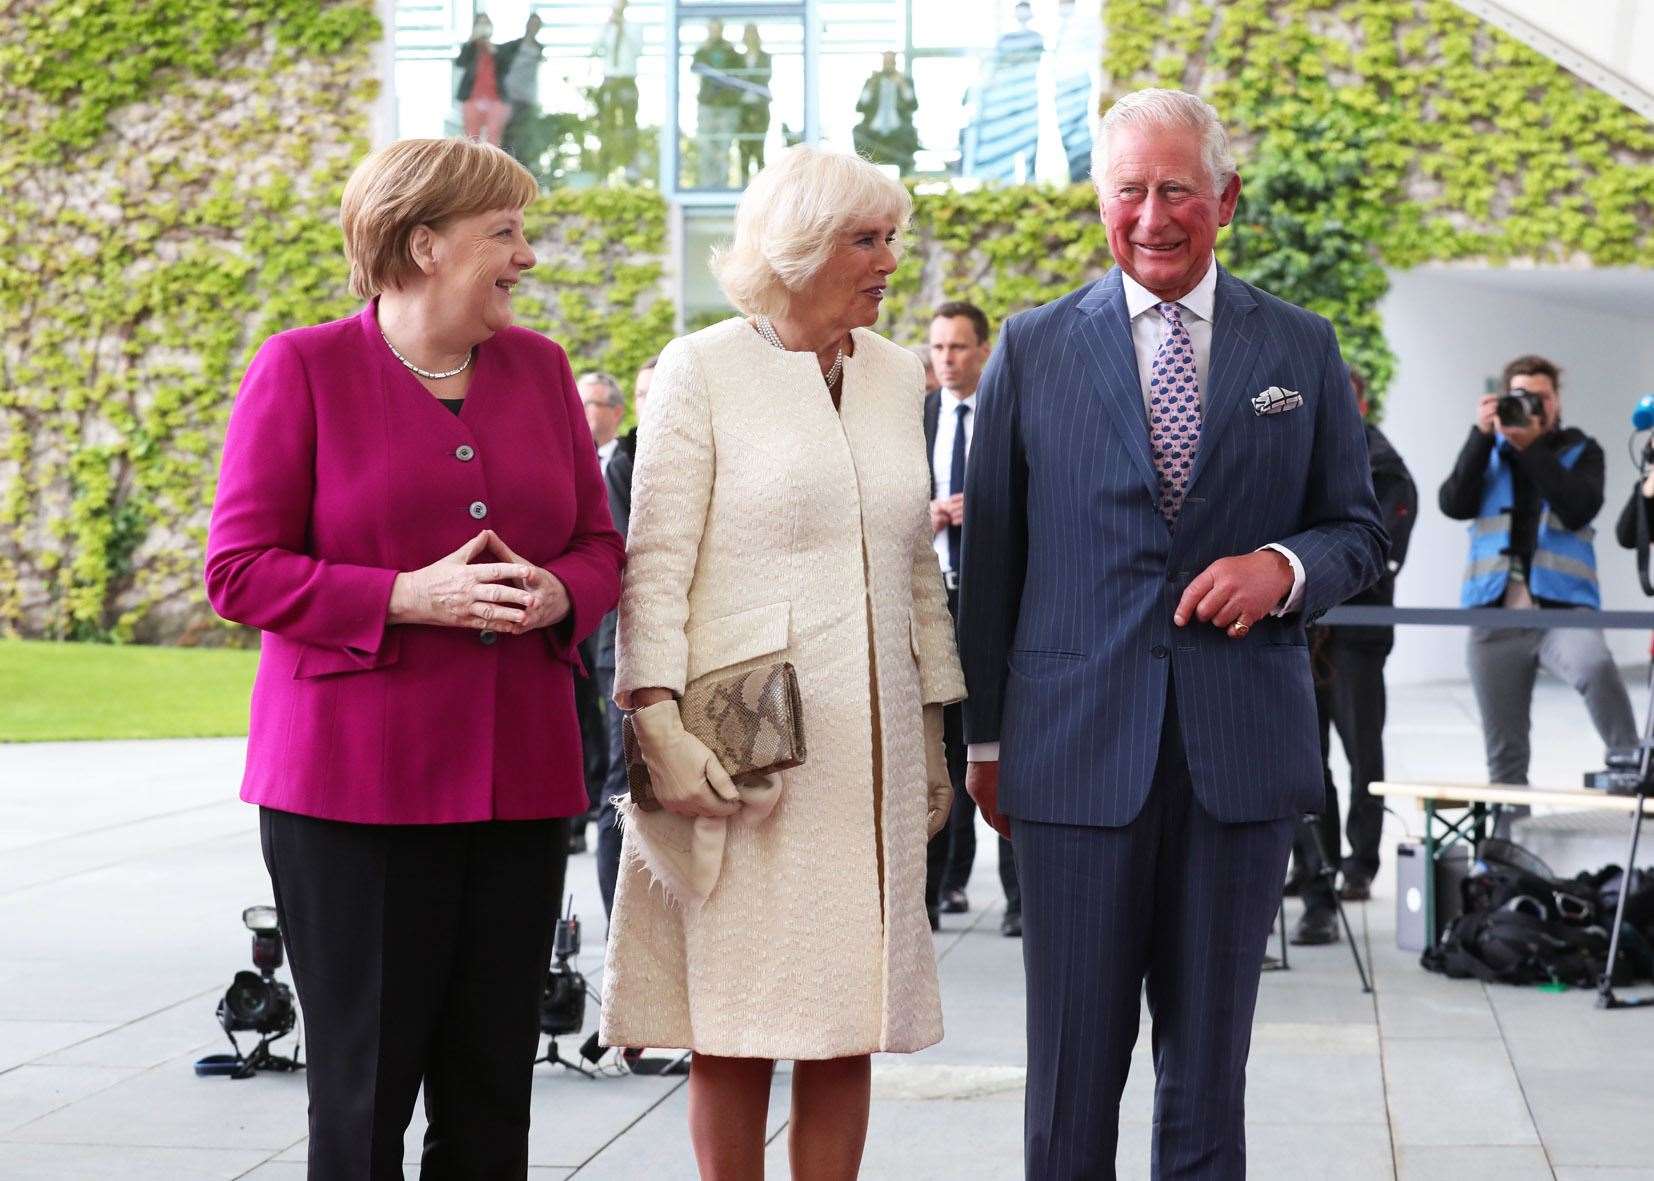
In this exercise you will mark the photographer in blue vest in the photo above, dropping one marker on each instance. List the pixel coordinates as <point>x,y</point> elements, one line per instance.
<point>1530,488</point>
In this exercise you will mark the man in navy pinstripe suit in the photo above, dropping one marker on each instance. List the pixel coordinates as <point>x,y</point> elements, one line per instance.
<point>1168,479</point>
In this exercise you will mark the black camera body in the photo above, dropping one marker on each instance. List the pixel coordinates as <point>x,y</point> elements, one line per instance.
<point>563,1002</point>
<point>256,1002</point>
<point>1519,408</point>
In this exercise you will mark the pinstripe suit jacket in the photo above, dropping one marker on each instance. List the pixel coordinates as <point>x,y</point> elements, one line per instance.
<point>1070,574</point>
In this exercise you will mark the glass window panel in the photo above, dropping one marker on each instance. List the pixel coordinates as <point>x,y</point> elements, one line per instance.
<point>740,95</point>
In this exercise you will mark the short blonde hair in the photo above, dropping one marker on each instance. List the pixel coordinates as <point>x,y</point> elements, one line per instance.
<point>1167,110</point>
<point>789,221</point>
<point>416,182</point>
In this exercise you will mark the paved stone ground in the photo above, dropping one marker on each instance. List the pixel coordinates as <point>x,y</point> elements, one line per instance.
<point>124,868</point>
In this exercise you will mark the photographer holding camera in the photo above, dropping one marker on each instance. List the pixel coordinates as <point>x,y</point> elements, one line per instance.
<point>1530,488</point>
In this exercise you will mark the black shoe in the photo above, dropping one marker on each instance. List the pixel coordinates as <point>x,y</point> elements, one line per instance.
<point>935,919</point>
<point>1295,883</point>
<point>1357,887</point>
<point>955,902</point>
<point>1318,925</point>
<point>577,839</point>
<point>1010,926</point>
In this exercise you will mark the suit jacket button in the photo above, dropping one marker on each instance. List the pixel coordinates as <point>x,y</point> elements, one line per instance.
<point>488,637</point>
<point>1159,651</point>
<point>479,510</point>
<point>465,453</point>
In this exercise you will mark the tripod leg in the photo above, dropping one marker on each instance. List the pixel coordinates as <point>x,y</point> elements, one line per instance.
<point>1355,952</point>
<point>1605,989</point>
<point>1281,916</point>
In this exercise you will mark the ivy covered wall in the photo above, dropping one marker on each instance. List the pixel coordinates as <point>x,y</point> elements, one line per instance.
<point>1370,134</point>
<point>171,175</point>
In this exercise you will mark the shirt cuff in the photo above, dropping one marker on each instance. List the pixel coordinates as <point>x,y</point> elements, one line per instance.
<point>1294,598</point>
<point>982,752</point>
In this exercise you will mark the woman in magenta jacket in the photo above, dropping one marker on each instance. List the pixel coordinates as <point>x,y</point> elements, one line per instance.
<point>410,511</point>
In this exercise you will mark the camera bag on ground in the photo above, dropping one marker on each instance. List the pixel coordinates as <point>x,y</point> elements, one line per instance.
<point>1521,925</point>
<point>1639,907</point>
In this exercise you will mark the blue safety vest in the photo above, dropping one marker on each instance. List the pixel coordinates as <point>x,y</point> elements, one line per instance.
<point>1564,566</point>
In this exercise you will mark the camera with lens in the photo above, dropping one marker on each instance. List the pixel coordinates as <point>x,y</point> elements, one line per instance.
<point>1519,408</point>
<point>563,1002</point>
<point>256,1002</point>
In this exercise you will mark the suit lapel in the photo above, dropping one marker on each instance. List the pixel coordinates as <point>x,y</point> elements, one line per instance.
<point>1235,345</point>
<point>1104,332</point>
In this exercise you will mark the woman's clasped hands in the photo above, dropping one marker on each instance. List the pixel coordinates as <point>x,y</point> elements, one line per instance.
<point>509,594</point>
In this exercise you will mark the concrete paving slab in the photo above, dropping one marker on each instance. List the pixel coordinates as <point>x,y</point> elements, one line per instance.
<point>92,1162</point>
<point>168,1107</point>
<point>1455,1092</point>
<point>1599,1116</point>
<point>25,1040</point>
<point>30,1092</point>
<point>1482,1163</point>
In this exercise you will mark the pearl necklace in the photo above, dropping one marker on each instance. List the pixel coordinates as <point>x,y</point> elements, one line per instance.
<point>766,329</point>
<point>427,374</point>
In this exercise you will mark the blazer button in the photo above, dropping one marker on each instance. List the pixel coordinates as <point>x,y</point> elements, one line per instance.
<point>1159,651</point>
<point>465,453</point>
<point>479,510</point>
<point>488,637</point>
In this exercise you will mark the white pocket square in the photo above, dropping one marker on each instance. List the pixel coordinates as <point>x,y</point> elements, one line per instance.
<point>1275,400</point>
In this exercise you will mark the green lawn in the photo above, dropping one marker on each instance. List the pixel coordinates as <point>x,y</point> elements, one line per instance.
<point>56,692</point>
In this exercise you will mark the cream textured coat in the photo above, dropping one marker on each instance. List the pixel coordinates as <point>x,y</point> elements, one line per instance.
<point>751,503</point>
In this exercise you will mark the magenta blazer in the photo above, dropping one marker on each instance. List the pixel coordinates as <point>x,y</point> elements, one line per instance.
<point>340,470</point>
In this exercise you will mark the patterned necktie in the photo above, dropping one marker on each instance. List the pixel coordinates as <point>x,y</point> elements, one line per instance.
<point>1174,412</point>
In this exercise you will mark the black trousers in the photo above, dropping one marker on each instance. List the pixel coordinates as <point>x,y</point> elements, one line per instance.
<point>608,818</point>
<point>951,854</point>
<point>1350,698</point>
<point>1174,904</point>
<point>419,953</point>
<point>591,694</point>
<point>952,851</point>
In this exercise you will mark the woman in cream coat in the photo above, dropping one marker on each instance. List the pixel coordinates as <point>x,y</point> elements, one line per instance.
<point>779,512</point>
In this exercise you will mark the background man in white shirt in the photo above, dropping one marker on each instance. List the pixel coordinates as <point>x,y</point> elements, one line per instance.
<point>958,351</point>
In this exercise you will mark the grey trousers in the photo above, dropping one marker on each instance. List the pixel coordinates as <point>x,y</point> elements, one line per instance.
<point>1503,664</point>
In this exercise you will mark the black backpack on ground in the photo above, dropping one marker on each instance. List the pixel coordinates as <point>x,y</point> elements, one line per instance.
<point>1521,925</point>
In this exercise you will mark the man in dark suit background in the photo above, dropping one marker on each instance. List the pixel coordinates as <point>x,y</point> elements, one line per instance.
<point>1168,479</point>
<point>617,477</point>
<point>959,349</point>
<point>1350,698</point>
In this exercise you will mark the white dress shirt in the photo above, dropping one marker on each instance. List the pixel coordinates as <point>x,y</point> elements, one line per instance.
<point>941,456</point>
<point>606,453</point>
<point>1142,305</point>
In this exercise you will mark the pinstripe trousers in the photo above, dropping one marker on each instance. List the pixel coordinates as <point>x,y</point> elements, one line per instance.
<point>1174,904</point>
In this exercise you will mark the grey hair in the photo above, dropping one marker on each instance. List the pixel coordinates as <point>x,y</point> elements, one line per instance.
<point>617,396</point>
<point>1167,110</point>
<point>789,221</point>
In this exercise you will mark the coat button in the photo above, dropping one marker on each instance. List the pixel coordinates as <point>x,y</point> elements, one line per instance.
<point>465,453</point>
<point>1159,651</point>
<point>488,637</point>
<point>479,510</point>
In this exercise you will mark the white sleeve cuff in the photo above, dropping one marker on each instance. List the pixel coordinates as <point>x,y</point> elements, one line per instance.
<point>982,752</point>
<point>1295,598</point>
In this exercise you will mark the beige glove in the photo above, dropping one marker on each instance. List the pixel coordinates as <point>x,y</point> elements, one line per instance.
<point>687,778</point>
<point>940,793</point>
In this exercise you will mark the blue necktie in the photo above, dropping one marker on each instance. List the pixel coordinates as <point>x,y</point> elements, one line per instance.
<point>956,480</point>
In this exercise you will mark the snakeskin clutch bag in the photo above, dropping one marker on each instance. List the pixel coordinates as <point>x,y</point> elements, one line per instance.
<point>752,722</point>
